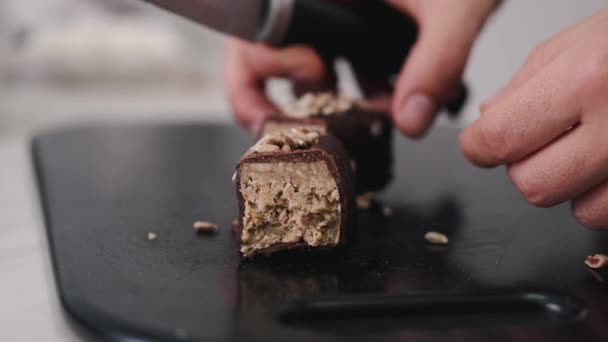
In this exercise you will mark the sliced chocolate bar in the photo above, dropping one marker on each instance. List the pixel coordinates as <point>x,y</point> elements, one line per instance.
<point>295,190</point>
<point>366,134</point>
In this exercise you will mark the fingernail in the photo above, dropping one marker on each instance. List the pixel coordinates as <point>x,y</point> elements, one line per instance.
<point>417,114</point>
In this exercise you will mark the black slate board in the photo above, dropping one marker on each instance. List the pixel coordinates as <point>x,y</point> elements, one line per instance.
<point>104,188</point>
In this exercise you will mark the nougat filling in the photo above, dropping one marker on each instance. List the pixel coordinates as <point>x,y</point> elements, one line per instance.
<point>288,202</point>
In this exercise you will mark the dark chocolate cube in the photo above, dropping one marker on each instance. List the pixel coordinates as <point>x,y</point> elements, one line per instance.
<point>301,196</point>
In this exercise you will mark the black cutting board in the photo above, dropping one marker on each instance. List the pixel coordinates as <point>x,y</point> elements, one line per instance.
<point>104,188</point>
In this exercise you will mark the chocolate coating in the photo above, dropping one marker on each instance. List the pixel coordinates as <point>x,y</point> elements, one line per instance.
<point>367,137</point>
<point>331,151</point>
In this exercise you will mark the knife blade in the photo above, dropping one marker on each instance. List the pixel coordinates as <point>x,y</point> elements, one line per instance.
<point>252,20</point>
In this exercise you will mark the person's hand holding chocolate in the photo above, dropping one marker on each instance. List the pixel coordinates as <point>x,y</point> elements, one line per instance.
<point>549,125</point>
<point>430,78</point>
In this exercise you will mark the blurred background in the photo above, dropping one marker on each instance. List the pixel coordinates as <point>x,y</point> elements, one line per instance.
<point>69,61</point>
<point>81,60</point>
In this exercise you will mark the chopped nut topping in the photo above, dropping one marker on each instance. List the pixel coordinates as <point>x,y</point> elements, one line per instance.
<point>264,148</point>
<point>204,227</point>
<point>596,261</point>
<point>286,141</point>
<point>151,236</point>
<point>319,104</point>
<point>387,211</point>
<point>436,238</point>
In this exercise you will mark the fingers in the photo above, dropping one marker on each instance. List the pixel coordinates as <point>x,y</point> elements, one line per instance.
<point>528,118</point>
<point>563,170</point>
<point>249,66</point>
<point>590,209</point>
<point>432,73</point>
<point>542,55</point>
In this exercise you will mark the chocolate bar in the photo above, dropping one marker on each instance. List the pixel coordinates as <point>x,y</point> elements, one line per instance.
<point>295,191</point>
<point>366,134</point>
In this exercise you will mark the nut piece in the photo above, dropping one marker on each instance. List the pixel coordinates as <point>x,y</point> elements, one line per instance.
<point>151,236</point>
<point>436,238</point>
<point>319,104</point>
<point>296,138</point>
<point>364,201</point>
<point>204,227</point>
<point>596,261</point>
<point>265,148</point>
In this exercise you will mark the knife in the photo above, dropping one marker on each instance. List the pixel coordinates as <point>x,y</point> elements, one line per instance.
<point>374,37</point>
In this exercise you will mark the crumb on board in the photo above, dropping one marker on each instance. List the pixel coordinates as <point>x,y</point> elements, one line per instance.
<point>204,227</point>
<point>387,211</point>
<point>151,236</point>
<point>364,201</point>
<point>596,261</point>
<point>436,238</point>
<point>235,222</point>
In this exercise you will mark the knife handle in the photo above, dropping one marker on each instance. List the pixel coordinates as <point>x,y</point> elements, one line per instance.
<point>374,37</point>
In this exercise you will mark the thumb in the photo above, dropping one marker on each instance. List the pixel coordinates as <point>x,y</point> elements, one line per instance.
<point>432,73</point>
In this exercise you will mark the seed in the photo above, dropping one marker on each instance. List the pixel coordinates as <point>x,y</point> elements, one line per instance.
<point>343,104</point>
<point>265,148</point>
<point>298,133</point>
<point>307,99</point>
<point>327,110</point>
<point>296,112</point>
<point>596,261</point>
<point>151,236</point>
<point>335,195</point>
<point>323,100</point>
<point>204,227</point>
<point>363,202</point>
<point>387,211</point>
<point>270,140</point>
<point>436,238</point>
<point>289,142</point>
<point>234,178</point>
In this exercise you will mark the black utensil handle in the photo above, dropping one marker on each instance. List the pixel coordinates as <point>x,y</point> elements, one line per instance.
<point>374,37</point>
<point>343,306</point>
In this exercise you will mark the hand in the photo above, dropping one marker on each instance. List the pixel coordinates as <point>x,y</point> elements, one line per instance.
<point>429,79</point>
<point>431,75</point>
<point>248,66</point>
<point>549,125</point>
